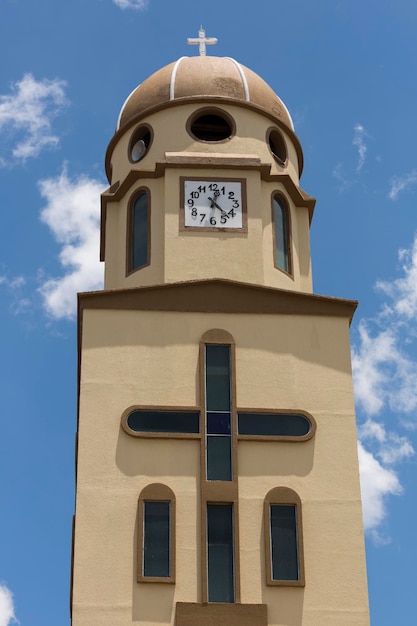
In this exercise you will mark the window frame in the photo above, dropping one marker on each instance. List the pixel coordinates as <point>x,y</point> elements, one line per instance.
<point>288,438</point>
<point>156,492</point>
<point>214,491</point>
<point>274,130</point>
<point>285,496</point>
<point>159,434</point>
<point>232,507</point>
<point>283,202</point>
<point>130,230</point>
<point>211,437</point>
<point>137,134</point>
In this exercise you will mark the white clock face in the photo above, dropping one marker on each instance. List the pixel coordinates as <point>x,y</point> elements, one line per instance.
<point>213,204</point>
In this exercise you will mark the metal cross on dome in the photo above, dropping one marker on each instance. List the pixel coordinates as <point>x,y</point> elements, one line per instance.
<point>202,41</point>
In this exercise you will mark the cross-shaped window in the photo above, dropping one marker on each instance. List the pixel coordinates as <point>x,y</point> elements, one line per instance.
<point>219,424</point>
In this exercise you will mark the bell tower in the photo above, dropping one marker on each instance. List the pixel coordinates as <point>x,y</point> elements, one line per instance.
<point>217,470</point>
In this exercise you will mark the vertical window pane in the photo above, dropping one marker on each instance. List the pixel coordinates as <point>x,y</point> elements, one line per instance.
<point>156,561</point>
<point>218,378</point>
<point>284,542</point>
<point>140,234</point>
<point>219,457</point>
<point>218,413</point>
<point>220,553</point>
<point>281,235</point>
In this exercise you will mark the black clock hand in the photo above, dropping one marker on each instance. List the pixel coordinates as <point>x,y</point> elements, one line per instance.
<point>214,204</point>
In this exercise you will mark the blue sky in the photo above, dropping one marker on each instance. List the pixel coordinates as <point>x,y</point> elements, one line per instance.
<point>346,70</point>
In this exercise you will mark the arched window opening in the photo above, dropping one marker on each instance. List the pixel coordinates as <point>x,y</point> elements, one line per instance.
<point>281,234</point>
<point>283,538</point>
<point>156,534</point>
<point>139,231</point>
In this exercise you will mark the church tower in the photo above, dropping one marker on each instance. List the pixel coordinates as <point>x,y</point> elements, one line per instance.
<point>217,469</point>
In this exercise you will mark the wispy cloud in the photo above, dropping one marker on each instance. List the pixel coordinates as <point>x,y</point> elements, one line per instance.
<point>358,141</point>
<point>72,213</point>
<point>401,183</point>
<point>385,380</point>
<point>403,291</point>
<point>131,4</point>
<point>340,174</point>
<point>344,175</point>
<point>15,285</point>
<point>7,611</point>
<point>12,283</point>
<point>26,115</point>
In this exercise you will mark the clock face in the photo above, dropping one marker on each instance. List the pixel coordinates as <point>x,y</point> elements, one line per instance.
<point>213,204</point>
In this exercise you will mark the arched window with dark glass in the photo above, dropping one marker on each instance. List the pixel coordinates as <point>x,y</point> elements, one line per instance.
<point>156,534</point>
<point>139,232</point>
<point>281,223</point>
<point>284,556</point>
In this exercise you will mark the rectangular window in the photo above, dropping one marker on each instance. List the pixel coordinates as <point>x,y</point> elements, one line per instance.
<point>156,539</point>
<point>218,412</point>
<point>220,553</point>
<point>284,551</point>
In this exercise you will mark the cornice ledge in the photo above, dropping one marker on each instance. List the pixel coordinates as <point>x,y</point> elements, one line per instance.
<point>215,159</point>
<point>297,195</point>
<point>218,295</point>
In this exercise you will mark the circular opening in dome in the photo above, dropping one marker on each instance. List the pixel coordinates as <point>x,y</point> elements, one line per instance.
<point>211,126</point>
<point>140,142</point>
<point>277,145</point>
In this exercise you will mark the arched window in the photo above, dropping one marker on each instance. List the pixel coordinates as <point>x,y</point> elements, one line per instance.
<point>139,232</point>
<point>284,556</point>
<point>156,534</point>
<point>281,222</point>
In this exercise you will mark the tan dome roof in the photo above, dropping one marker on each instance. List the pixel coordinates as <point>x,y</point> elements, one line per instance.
<point>203,77</point>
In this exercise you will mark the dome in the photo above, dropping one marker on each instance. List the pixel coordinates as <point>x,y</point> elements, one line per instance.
<point>208,77</point>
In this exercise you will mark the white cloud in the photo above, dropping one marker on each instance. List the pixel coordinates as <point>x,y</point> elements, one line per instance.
<point>390,447</point>
<point>131,4</point>
<point>385,381</point>
<point>377,483</point>
<point>359,142</point>
<point>400,183</point>
<point>384,375</point>
<point>26,115</point>
<point>7,616</point>
<point>403,291</point>
<point>72,213</point>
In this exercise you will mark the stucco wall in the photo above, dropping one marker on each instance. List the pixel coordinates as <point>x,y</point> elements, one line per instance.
<point>282,362</point>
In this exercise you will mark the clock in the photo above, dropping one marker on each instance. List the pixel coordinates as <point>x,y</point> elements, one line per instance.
<point>213,204</point>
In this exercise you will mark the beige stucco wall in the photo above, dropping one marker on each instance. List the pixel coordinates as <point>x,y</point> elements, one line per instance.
<point>170,135</point>
<point>151,358</point>
<point>177,255</point>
